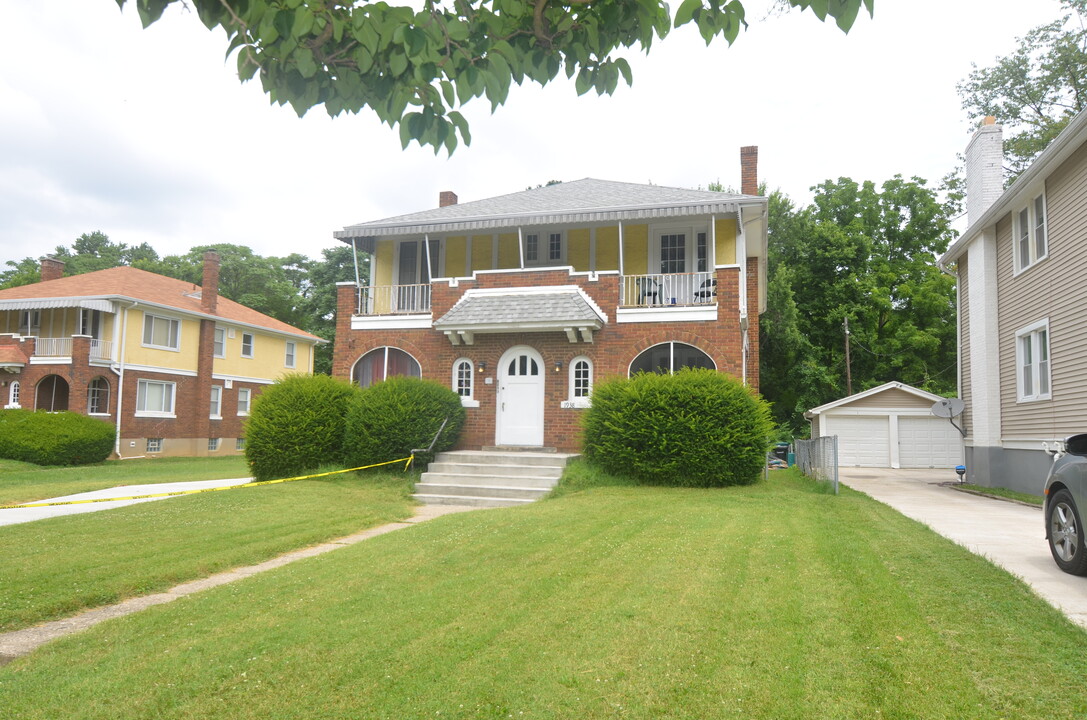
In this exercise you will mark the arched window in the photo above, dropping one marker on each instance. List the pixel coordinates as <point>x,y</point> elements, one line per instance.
<point>98,397</point>
<point>669,357</point>
<point>581,381</point>
<point>52,394</point>
<point>384,362</point>
<point>13,396</point>
<point>464,382</point>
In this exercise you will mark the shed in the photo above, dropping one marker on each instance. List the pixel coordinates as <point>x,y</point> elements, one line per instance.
<point>889,426</point>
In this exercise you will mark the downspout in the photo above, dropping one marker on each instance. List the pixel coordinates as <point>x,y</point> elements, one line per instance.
<point>121,378</point>
<point>741,260</point>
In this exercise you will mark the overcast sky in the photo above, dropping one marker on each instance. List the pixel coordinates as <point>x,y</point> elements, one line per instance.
<point>148,136</point>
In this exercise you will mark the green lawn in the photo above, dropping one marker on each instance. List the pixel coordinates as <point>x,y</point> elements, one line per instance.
<point>773,601</point>
<point>53,568</point>
<point>23,482</point>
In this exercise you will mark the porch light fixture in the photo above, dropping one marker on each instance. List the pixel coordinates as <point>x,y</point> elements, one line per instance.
<point>558,366</point>
<point>482,368</point>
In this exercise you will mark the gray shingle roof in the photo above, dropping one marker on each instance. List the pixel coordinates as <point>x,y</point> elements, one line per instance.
<point>580,201</point>
<point>520,311</point>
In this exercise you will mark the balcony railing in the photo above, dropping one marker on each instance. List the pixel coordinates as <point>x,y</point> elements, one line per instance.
<point>393,299</point>
<point>53,347</point>
<point>668,289</point>
<point>101,350</point>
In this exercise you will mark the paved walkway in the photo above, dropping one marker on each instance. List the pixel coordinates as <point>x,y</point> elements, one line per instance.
<point>15,516</point>
<point>1009,534</point>
<point>22,642</point>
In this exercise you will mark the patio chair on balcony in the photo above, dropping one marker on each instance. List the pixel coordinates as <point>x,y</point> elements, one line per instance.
<point>707,290</point>
<point>648,288</point>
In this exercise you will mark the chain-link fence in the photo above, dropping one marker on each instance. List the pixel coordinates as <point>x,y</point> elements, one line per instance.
<point>818,459</point>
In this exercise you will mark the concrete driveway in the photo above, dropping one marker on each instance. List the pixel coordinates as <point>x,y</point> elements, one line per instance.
<point>1009,534</point>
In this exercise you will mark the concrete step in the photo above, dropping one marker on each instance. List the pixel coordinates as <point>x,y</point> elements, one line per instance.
<point>490,478</point>
<point>469,501</point>
<point>497,471</point>
<point>480,457</point>
<point>469,478</point>
<point>509,491</point>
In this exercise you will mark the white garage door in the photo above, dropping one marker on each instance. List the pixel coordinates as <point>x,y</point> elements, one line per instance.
<point>863,440</point>
<point>928,442</point>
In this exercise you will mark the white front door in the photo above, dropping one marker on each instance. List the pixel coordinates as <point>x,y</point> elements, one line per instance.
<point>520,398</point>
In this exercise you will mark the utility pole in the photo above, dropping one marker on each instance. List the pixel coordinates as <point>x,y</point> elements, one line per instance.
<point>848,369</point>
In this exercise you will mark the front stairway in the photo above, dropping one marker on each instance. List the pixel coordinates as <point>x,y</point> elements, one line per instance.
<point>493,477</point>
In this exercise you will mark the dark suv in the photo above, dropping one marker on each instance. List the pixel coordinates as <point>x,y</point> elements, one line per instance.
<point>1065,494</point>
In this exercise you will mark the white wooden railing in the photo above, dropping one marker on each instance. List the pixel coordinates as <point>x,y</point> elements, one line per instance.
<point>101,350</point>
<point>53,347</point>
<point>668,289</point>
<point>393,299</point>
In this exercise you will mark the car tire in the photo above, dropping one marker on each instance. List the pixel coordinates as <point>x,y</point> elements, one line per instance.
<point>1064,528</point>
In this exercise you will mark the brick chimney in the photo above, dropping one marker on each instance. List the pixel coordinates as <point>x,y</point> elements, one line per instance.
<point>984,168</point>
<point>209,286</point>
<point>447,198</point>
<point>52,269</point>
<point>749,170</point>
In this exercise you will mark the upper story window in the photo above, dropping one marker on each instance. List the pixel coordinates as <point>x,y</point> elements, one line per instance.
<point>1032,362</point>
<point>544,248</point>
<point>161,332</point>
<point>680,250</point>
<point>155,398</point>
<point>1031,238</point>
<point>288,357</point>
<point>219,343</point>
<point>30,322</point>
<point>90,323</point>
<point>247,345</point>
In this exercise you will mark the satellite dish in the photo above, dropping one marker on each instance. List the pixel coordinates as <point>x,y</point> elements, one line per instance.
<point>948,408</point>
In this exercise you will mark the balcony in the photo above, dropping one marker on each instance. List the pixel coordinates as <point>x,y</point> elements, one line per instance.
<point>48,349</point>
<point>393,300</point>
<point>666,290</point>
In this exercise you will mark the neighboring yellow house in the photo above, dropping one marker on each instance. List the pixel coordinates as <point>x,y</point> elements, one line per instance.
<point>174,366</point>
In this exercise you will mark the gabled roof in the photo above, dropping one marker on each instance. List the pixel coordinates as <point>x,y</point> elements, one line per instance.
<point>1067,142</point>
<point>580,201</point>
<point>923,394</point>
<point>127,284</point>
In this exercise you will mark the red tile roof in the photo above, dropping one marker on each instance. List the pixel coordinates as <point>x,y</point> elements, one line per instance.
<point>10,354</point>
<point>130,283</point>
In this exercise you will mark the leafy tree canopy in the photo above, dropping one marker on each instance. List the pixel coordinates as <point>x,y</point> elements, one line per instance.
<point>414,66</point>
<point>1037,89</point>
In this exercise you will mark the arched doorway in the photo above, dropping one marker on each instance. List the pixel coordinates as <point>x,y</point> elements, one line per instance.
<point>520,413</point>
<point>52,394</point>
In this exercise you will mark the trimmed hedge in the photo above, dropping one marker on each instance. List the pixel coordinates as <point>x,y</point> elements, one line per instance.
<point>696,428</point>
<point>296,425</point>
<point>46,438</point>
<point>389,419</point>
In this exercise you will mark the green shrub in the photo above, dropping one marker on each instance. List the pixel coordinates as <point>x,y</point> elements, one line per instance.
<point>296,425</point>
<point>63,438</point>
<point>695,428</point>
<point>391,418</point>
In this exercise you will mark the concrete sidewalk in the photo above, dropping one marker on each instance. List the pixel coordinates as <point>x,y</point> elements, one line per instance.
<point>1009,534</point>
<point>15,516</point>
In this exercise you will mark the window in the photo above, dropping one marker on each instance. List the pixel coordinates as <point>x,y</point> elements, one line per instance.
<point>464,381</point>
<point>216,402</point>
<point>161,332</point>
<point>288,358</point>
<point>384,362</point>
<point>673,253</point>
<point>701,253</point>
<point>154,445</point>
<point>30,322</point>
<point>1032,353</point>
<point>213,444</point>
<point>669,357</point>
<point>239,444</point>
<point>532,249</point>
<point>1031,241</point>
<point>243,401</point>
<point>98,397</point>
<point>90,323</point>
<point>581,382</point>
<point>247,345</point>
<point>13,396</point>
<point>537,253</point>
<point>220,343</point>
<point>554,247</point>
<point>155,398</point>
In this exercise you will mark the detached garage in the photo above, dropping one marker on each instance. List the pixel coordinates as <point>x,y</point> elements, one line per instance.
<point>889,426</point>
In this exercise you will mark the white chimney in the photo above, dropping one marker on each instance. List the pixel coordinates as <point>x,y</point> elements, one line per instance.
<point>984,169</point>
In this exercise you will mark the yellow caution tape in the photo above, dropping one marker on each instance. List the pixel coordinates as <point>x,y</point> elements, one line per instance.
<point>407,464</point>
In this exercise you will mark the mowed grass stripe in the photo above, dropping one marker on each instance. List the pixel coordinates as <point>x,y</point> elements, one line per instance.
<point>774,601</point>
<point>56,567</point>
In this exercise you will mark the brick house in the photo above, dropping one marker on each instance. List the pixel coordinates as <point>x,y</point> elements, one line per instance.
<point>172,365</point>
<point>521,302</point>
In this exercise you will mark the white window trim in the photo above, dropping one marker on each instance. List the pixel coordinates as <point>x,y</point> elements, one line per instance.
<point>543,255</point>
<point>13,396</point>
<point>671,355</point>
<point>690,251</point>
<point>106,403</point>
<point>248,401</point>
<point>216,390</point>
<point>141,384</point>
<point>1032,220</point>
<point>290,353</point>
<point>1030,332</point>
<point>252,345</point>
<point>221,353</point>
<point>468,401</point>
<point>152,317</point>
<point>217,442</point>
<point>578,402</point>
